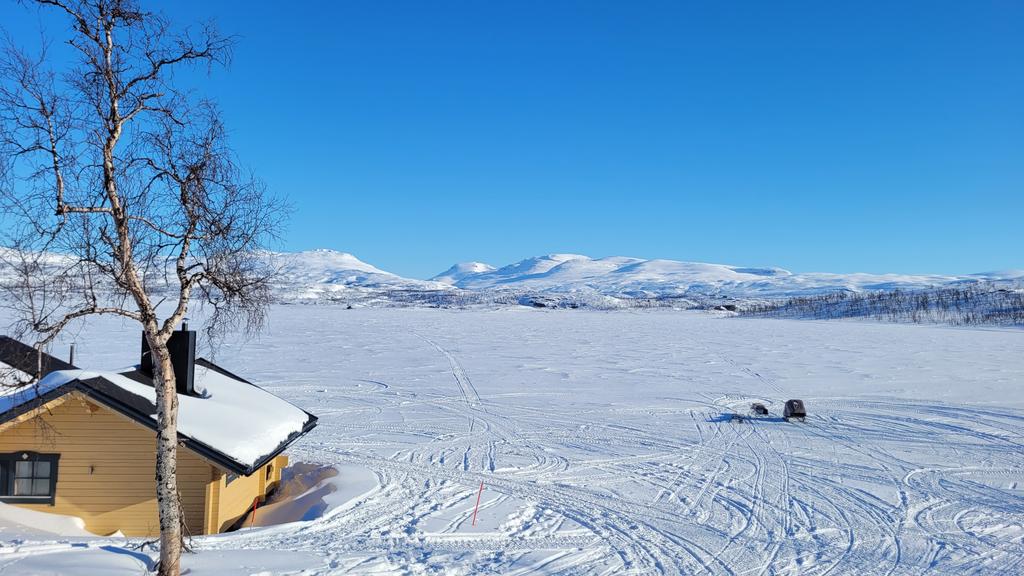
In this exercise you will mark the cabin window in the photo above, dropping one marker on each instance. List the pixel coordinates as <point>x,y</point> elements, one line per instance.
<point>28,478</point>
<point>270,472</point>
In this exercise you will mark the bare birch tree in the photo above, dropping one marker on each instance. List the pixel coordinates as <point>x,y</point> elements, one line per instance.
<point>121,197</point>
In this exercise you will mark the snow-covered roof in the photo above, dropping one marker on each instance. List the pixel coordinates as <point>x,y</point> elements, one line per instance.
<point>11,376</point>
<point>232,422</point>
<point>19,363</point>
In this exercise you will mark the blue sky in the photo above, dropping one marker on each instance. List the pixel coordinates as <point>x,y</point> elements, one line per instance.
<point>815,136</point>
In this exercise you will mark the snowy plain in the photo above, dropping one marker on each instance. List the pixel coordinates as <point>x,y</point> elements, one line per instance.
<point>604,446</point>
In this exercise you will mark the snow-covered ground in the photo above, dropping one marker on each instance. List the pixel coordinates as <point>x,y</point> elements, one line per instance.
<point>603,444</point>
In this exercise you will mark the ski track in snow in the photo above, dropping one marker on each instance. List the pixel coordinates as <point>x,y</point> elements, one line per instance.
<point>604,445</point>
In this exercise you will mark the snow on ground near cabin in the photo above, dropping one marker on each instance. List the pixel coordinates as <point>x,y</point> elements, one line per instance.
<point>604,446</point>
<point>40,543</point>
<point>17,523</point>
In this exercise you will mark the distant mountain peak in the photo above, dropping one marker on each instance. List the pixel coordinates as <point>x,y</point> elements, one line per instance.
<point>462,270</point>
<point>326,261</point>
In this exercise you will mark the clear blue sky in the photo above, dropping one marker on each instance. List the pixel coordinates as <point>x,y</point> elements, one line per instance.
<point>815,136</point>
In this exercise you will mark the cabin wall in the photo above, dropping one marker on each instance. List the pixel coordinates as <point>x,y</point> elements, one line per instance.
<point>212,526</point>
<point>106,471</point>
<point>233,501</point>
<point>276,466</point>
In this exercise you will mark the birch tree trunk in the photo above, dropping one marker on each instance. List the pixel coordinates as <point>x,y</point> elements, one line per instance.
<point>167,497</point>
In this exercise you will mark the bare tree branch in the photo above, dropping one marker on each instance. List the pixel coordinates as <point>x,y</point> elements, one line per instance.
<point>125,198</point>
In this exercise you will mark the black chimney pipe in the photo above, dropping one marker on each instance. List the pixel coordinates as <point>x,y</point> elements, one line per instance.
<point>182,346</point>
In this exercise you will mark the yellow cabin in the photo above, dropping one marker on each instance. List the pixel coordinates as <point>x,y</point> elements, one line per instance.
<point>82,443</point>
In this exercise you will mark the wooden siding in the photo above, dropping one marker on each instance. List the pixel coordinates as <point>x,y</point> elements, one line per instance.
<point>233,501</point>
<point>211,526</point>
<point>106,472</point>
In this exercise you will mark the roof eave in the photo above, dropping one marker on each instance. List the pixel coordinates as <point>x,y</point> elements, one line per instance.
<point>309,425</point>
<point>204,450</point>
<point>201,448</point>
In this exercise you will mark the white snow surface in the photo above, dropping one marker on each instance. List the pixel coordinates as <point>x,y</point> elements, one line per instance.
<point>604,445</point>
<point>309,492</point>
<point>237,418</point>
<point>17,522</point>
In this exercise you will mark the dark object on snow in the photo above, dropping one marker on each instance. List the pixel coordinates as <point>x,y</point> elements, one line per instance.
<point>758,409</point>
<point>794,409</point>
<point>735,418</point>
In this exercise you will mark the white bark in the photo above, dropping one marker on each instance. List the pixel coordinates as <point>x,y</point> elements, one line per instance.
<point>167,461</point>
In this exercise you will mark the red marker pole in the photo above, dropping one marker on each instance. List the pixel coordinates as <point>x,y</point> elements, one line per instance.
<point>252,521</point>
<point>478,494</point>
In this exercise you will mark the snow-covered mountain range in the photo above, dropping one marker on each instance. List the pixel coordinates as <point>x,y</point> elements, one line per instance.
<point>573,280</point>
<point>330,274</point>
<point>637,277</point>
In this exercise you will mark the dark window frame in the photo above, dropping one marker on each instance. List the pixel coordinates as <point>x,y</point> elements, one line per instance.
<point>8,464</point>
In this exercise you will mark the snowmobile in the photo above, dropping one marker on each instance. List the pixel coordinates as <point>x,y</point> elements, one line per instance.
<point>794,410</point>
<point>757,410</point>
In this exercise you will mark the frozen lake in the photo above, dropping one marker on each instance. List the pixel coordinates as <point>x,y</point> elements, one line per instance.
<point>604,447</point>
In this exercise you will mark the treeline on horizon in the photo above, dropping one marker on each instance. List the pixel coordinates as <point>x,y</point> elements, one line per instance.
<point>965,305</point>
